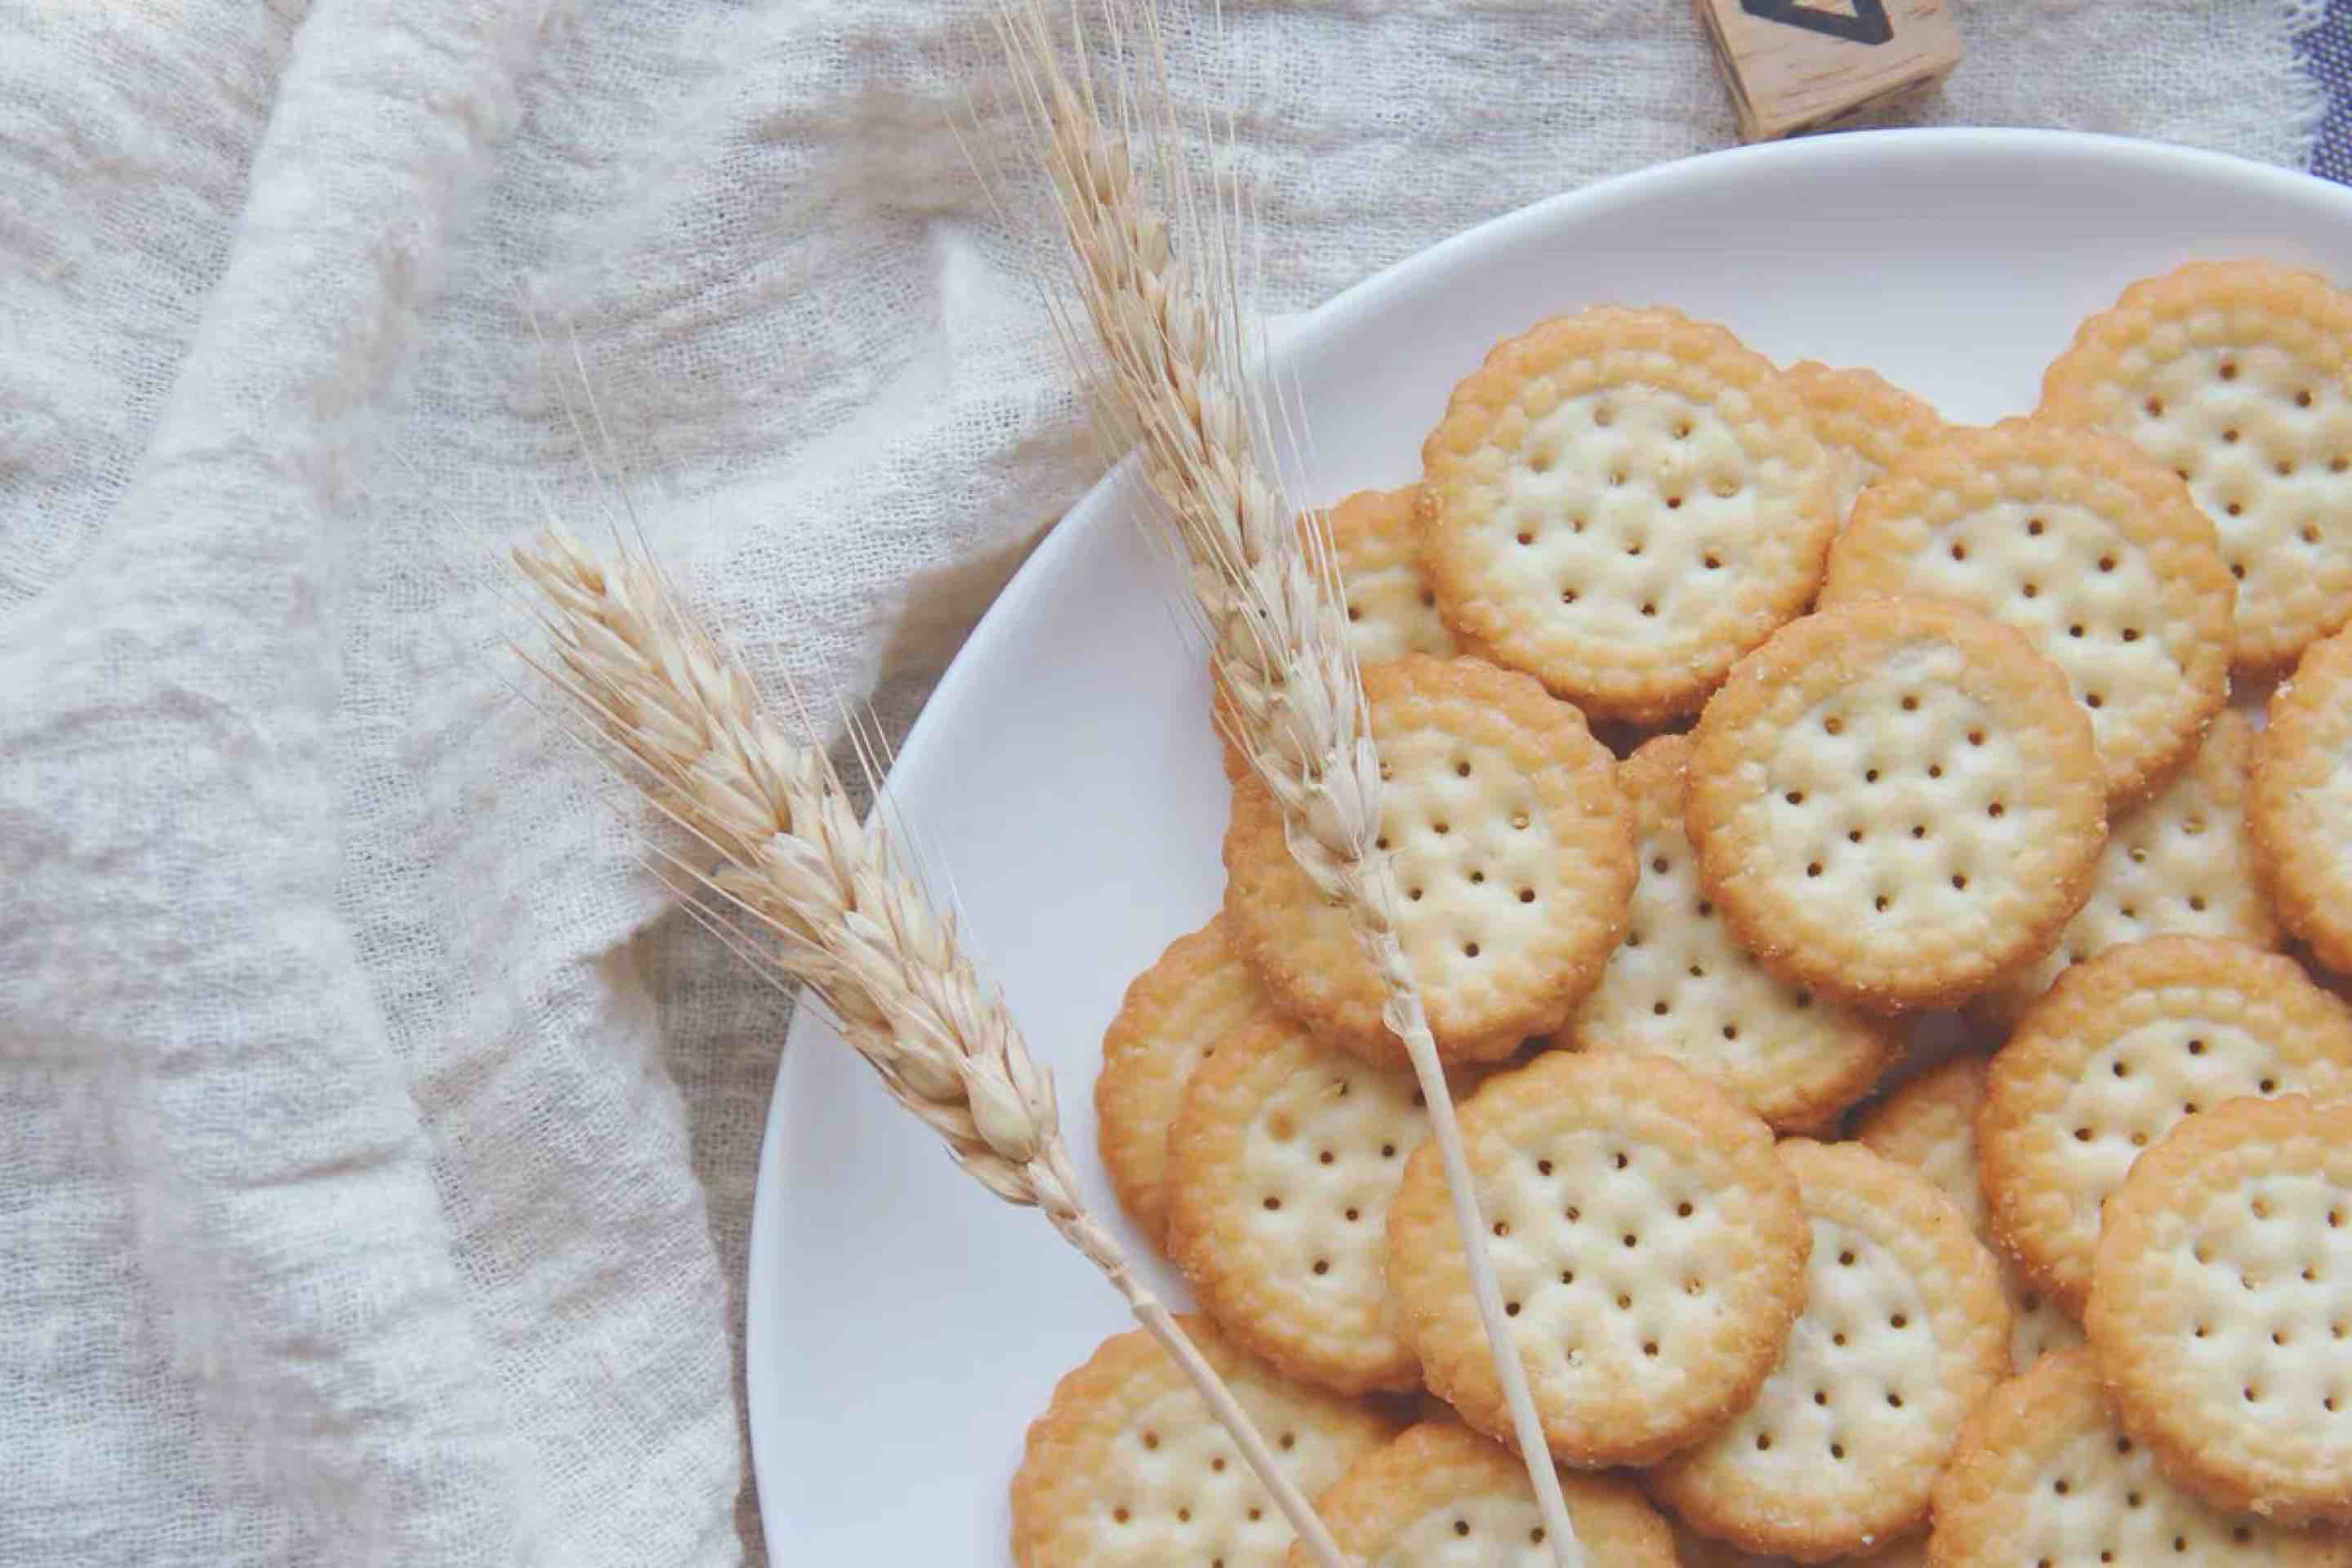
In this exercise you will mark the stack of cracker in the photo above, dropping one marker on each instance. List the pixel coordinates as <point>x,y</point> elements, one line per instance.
<point>1902,717</point>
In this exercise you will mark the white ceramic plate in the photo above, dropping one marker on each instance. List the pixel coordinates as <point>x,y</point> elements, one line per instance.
<point>904,1326</point>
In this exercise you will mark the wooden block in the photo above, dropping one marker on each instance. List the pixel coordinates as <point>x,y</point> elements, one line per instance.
<point>1804,65</point>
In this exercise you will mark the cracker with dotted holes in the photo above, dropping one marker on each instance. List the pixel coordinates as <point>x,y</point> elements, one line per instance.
<point>1126,1466</point>
<point>2121,1050</point>
<point>1905,1329</point>
<point>1513,848</point>
<point>1930,1125</point>
<point>1678,986</point>
<point>1375,539</point>
<point>1693,1550</point>
<point>2234,375</point>
<point>2090,548</point>
<point>2180,863</point>
<point>1440,1496</point>
<point>1863,422</point>
<point>2219,1317</point>
<point>2301,810</point>
<point>1170,1020</point>
<point>1649,1247</point>
<point>1623,501</point>
<point>2042,1476</point>
<point>1281,1165</point>
<point>1895,802</point>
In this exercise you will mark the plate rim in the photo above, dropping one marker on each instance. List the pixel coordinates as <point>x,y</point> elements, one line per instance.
<point>1296,337</point>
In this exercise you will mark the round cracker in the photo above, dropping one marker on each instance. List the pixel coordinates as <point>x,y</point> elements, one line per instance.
<point>1863,423</point>
<point>1441,1495</point>
<point>1169,1021</point>
<point>2121,1050</point>
<point>1895,802</point>
<point>2218,1311</point>
<point>2043,1474</point>
<point>1679,987</point>
<point>1513,848</point>
<point>1905,1329</point>
<point>2093,550</point>
<point>1648,1249</point>
<point>2234,375</point>
<point>2180,863</point>
<point>1623,501</point>
<point>1930,1125</point>
<point>1127,1466</point>
<point>2301,809</point>
<point>1282,1163</point>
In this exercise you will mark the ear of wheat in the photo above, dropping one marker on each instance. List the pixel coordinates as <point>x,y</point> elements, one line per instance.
<point>1175,378</point>
<point>833,907</point>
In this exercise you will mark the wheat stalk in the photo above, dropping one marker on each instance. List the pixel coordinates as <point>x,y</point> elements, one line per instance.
<point>841,914</point>
<point>1175,383</point>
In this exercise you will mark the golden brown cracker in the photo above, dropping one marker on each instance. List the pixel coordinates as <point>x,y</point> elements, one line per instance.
<point>2234,375</point>
<point>2301,810</point>
<point>2090,548</point>
<point>1622,502</point>
<point>1127,1466</point>
<point>1895,802</point>
<point>1168,1020</point>
<point>1513,850</point>
<point>2042,1474</point>
<point>1281,1167</point>
<point>1648,1246</point>
<point>2220,1315</point>
<point>2121,1050</point>
<point>1905,1329</point>
<point>1442,1496</point>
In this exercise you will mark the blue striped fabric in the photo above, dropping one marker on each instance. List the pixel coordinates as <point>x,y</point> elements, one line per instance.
<point>2328,52</point>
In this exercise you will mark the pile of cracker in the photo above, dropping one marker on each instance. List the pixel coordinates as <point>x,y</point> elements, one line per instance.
<point>1734,718</point>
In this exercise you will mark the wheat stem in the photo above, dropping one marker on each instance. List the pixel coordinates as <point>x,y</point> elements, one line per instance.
<point>661,700</point>
<point>1173,380</point>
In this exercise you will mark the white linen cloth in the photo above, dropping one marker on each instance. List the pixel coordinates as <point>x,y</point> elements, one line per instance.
<point>375,1161</point>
